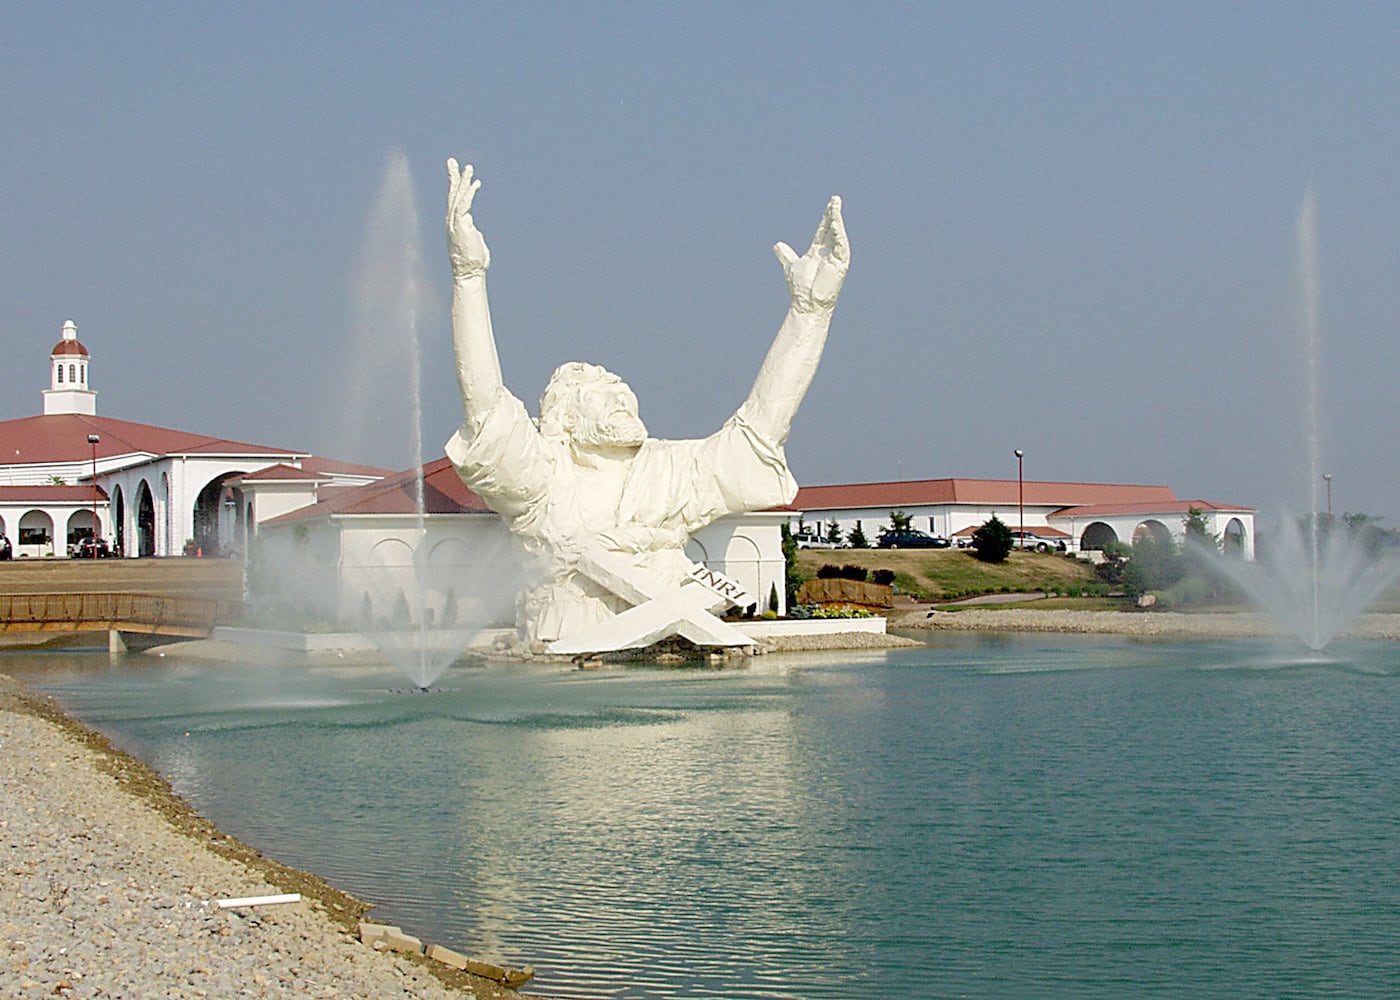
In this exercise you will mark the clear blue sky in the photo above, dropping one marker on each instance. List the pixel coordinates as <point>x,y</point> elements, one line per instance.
<point>1072,224</point>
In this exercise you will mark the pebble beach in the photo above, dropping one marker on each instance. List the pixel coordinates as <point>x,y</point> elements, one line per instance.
<point>108,888</point>
<point>1162,624</point>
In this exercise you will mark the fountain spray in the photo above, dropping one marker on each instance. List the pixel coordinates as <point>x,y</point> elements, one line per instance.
<point>1314,581</point>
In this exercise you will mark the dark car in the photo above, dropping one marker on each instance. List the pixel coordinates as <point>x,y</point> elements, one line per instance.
<point>87,549</point>
<point>6,552</point>
<point>909,538</point>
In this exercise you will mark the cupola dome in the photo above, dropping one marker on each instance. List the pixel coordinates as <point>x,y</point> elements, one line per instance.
<point>70,345</point>
<point>68,390</point>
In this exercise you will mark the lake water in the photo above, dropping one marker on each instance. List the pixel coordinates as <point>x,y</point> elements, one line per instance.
<point>989,816</point>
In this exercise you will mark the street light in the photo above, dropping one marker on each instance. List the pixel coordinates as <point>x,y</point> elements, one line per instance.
<point>1021,494</point>
<point>92,440</point>
<point>1327,476</point>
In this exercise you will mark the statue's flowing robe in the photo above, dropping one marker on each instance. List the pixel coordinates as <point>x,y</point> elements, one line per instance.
<point>669,490</point>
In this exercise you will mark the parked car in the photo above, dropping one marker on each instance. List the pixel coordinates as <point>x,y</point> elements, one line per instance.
<point>6,550</point>
<point>909,538</point>
<point>811,540</point>
<point>1036,543</point>
<point>87,549</point>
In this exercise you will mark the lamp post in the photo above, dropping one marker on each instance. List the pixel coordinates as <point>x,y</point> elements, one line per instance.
<point>1327,478</point>
<point>92,440</point>
<point>1021,494</point>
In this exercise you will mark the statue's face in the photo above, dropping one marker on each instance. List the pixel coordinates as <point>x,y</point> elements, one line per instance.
<point>607,416</point>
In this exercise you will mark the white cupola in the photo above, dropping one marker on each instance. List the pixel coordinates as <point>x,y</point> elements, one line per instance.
<point>68,390</point>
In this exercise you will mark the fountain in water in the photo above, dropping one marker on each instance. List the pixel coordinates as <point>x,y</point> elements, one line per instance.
<point>1314,577</point>
<point>391,295</point>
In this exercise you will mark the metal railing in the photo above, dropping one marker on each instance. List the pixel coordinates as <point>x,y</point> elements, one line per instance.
<point>149,612</point>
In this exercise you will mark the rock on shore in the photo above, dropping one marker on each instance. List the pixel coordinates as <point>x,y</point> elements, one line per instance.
<point>100,895</point>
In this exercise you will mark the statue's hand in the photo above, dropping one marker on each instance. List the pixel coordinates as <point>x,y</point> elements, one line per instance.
<point>465,244</point>
<point>814,279</point>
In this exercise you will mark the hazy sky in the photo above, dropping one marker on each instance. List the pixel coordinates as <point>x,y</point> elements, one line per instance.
<point>1072,225</point>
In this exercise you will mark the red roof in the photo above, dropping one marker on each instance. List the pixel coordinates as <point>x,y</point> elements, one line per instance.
<point>66,347</point>
<point>280,473</point>
<point>979,492</point>
<point>63,437</point>
<point>443,493</point>
<point>1174,507</point>
<point>334,467</point>
<point>50,494</point>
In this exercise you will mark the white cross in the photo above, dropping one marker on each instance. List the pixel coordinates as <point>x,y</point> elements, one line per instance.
<point>658,611</point>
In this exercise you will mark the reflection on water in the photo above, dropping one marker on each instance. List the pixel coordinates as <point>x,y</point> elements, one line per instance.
<point>983,817</point>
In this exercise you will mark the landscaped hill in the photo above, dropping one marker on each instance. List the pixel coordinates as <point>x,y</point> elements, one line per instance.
<point>945,574</point>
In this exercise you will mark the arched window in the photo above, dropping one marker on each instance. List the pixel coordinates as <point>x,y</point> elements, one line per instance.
<point>82,372</point>
<point>72,373</point>
<point>60,374</point>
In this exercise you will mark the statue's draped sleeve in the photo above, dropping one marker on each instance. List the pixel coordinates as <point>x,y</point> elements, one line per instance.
<point>506,462</point>
<point>688,484</point>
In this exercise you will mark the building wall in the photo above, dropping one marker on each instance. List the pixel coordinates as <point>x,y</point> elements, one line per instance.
<point>934,519</point>
<point>55,518</point>
<point>271,500</point>
<point>1125,526</point>
<point>370,570</point>
<point>175,483</point>
<point>949,519</point>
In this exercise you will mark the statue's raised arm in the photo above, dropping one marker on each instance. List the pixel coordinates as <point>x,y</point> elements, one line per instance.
<point>814,281</point>
<point>478,367</point>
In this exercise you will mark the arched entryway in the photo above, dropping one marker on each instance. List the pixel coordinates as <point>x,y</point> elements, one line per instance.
<point>1158,531</point>
<point>119,519</point>
<point>1096,537</point>
<point>1233,542</point>
<point>80,526</point>
<point>35,534</point>
<point>217,526</point>
<point>145,520</point>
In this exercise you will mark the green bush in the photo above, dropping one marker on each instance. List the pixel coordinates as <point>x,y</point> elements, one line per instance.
<point>992,542</point>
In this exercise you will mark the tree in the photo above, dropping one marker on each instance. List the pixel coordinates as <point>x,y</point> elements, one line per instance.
<point>900,521</point>
<point>857,538</point>
<point>792,578</point>
<point>1198,536</point>
<point>1366,530</point>
<point>992,542</point>
<point>833,532</point>
<point>1155,564</point>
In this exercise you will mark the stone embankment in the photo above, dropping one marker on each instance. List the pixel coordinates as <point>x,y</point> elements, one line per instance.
<point>832,640</point>
<point>108,887</point>
<point>1167,624</point>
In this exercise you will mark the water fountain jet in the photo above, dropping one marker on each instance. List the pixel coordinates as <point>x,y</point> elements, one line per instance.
<point>1314,577</point>
<point>391,297</point>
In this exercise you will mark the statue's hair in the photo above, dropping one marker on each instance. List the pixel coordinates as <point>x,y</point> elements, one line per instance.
<point>559,407</point>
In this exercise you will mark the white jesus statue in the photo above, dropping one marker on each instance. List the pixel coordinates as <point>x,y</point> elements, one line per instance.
<point>586,476</point>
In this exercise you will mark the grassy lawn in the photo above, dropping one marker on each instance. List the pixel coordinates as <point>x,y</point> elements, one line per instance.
<point>947,574</point>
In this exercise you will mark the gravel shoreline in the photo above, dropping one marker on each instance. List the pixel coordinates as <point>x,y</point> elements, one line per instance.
<point>1166,624</point>
<point>107,883</point>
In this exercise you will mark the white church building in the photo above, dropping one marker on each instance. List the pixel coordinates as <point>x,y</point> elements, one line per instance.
<point>150,491</point>
<point>1082,516</point>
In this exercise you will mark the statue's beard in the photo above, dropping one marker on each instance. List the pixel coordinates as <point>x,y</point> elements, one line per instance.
<point>618,430</point>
